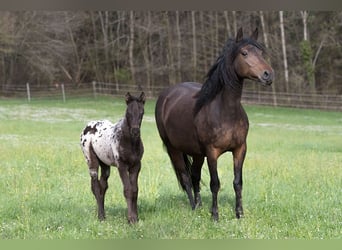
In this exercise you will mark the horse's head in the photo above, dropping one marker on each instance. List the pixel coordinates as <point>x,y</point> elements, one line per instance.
<point>249,62</point>
<point>134,113</point>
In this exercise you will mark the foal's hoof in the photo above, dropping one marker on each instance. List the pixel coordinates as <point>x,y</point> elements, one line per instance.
<point>239,215</point>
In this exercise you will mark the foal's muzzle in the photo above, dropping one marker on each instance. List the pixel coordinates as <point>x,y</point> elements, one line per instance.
<point>135,131</point>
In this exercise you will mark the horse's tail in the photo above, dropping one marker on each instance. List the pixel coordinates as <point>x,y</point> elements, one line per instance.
<point>179,172</point>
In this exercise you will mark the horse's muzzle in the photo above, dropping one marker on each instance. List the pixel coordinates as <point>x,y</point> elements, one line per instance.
<point>267,77</point>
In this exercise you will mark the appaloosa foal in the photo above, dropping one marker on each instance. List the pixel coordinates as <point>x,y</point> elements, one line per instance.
<point>105,144</point>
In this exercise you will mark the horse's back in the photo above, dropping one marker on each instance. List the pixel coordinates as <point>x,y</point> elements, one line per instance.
<point>175,117</point>
<point>102,138</point>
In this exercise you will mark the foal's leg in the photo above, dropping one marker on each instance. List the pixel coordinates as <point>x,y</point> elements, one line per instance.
<point>238,157</point>
<point>214,185</point>
<point>129,178</point>
<point>196,178</point>
<point>133,177</point>
<point>93,164</point>
<point>105,172</point>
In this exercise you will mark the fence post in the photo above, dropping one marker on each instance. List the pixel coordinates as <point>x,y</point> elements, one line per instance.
<point>28,92</point>
<point>63,92</point>
<point>94,89</point>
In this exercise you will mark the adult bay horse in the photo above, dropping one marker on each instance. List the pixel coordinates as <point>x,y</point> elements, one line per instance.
<point>197,121</point>
<point>105,144</point>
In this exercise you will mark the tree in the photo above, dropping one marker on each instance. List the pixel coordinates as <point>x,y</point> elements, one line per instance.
<point>307,53</point>
<point>131,44</point>
<point>283,45</point>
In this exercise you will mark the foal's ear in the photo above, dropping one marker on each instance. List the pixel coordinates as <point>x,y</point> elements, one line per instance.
<point>255,34</point>
<point>142,97</point>
<point>128,97</point>
<point>239,35</point>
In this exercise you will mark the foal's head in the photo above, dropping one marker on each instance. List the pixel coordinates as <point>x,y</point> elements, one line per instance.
<point>134,113</point>
<point>249,61</point>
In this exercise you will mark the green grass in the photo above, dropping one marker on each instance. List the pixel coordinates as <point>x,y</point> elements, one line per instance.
<point>292,178</point>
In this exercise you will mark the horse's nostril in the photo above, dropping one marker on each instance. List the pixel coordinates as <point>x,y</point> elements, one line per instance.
<point>266,74</point>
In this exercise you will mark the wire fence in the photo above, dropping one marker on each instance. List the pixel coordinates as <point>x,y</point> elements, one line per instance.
<point>63,92</point>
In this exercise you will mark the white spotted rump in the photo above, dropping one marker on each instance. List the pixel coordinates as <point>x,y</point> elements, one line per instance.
<point>104,137</point>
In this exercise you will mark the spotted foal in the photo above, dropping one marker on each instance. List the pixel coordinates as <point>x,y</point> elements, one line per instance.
<point>106,144</point>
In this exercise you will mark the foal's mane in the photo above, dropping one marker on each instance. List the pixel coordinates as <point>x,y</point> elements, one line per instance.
<point>222,73</point>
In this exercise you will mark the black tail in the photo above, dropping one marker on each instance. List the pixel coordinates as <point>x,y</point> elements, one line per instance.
<point>179,172</point>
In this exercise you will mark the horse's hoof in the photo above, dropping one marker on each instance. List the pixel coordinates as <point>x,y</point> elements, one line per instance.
<point>102,217</point>
<point>215,216</point>
<point>133,220</point>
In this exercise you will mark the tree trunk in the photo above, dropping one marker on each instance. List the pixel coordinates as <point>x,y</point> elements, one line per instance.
<point>307,53</point>
<point>203,47</point>
<point>104,28</point>
<point>172,77</point>
<point>234,23</point>
<point>305,15</point>
<point>267,46</point>
<point>179,44</point>
<point>194,47</point>
<point>229,33</point>
<point>283,44</point>
<point>131,45</point>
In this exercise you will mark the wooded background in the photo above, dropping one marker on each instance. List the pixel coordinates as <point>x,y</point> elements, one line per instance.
<point>150,49</point>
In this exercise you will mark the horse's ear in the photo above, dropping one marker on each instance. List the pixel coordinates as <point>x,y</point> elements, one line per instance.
<point>142,97</point>
<point>128,97</point>
<point>255,34</point>
<point>239,35</point>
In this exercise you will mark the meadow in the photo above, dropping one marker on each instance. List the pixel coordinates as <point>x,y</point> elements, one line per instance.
<point>292,178</point>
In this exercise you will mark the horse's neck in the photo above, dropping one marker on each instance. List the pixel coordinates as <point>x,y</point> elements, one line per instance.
<point>230,98</point>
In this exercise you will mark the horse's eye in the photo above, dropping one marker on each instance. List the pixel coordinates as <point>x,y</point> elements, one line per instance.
<point>244,53</point>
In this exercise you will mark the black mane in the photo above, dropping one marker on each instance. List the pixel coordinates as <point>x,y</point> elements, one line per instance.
<point>222,72</point>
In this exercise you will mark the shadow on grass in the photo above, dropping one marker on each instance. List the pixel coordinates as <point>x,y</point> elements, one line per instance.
<point>172,204</point>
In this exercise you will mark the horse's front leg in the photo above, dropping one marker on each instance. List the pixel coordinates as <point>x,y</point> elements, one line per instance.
<point>130,192</point>
<point>238,157</point>
<point>214,185</point>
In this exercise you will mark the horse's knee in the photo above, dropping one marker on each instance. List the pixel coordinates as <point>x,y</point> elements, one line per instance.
<point>237,185</point>
<point>127,192</point>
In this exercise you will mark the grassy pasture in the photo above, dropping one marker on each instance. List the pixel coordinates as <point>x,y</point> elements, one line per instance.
<point>292,178</point>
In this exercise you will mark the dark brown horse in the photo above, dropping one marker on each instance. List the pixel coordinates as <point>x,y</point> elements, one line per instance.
<point>207,120</point>
<point>105,144</point>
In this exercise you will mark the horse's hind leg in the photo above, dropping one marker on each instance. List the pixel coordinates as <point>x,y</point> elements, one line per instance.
<point>182,174</point>
<point>196,168</point>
